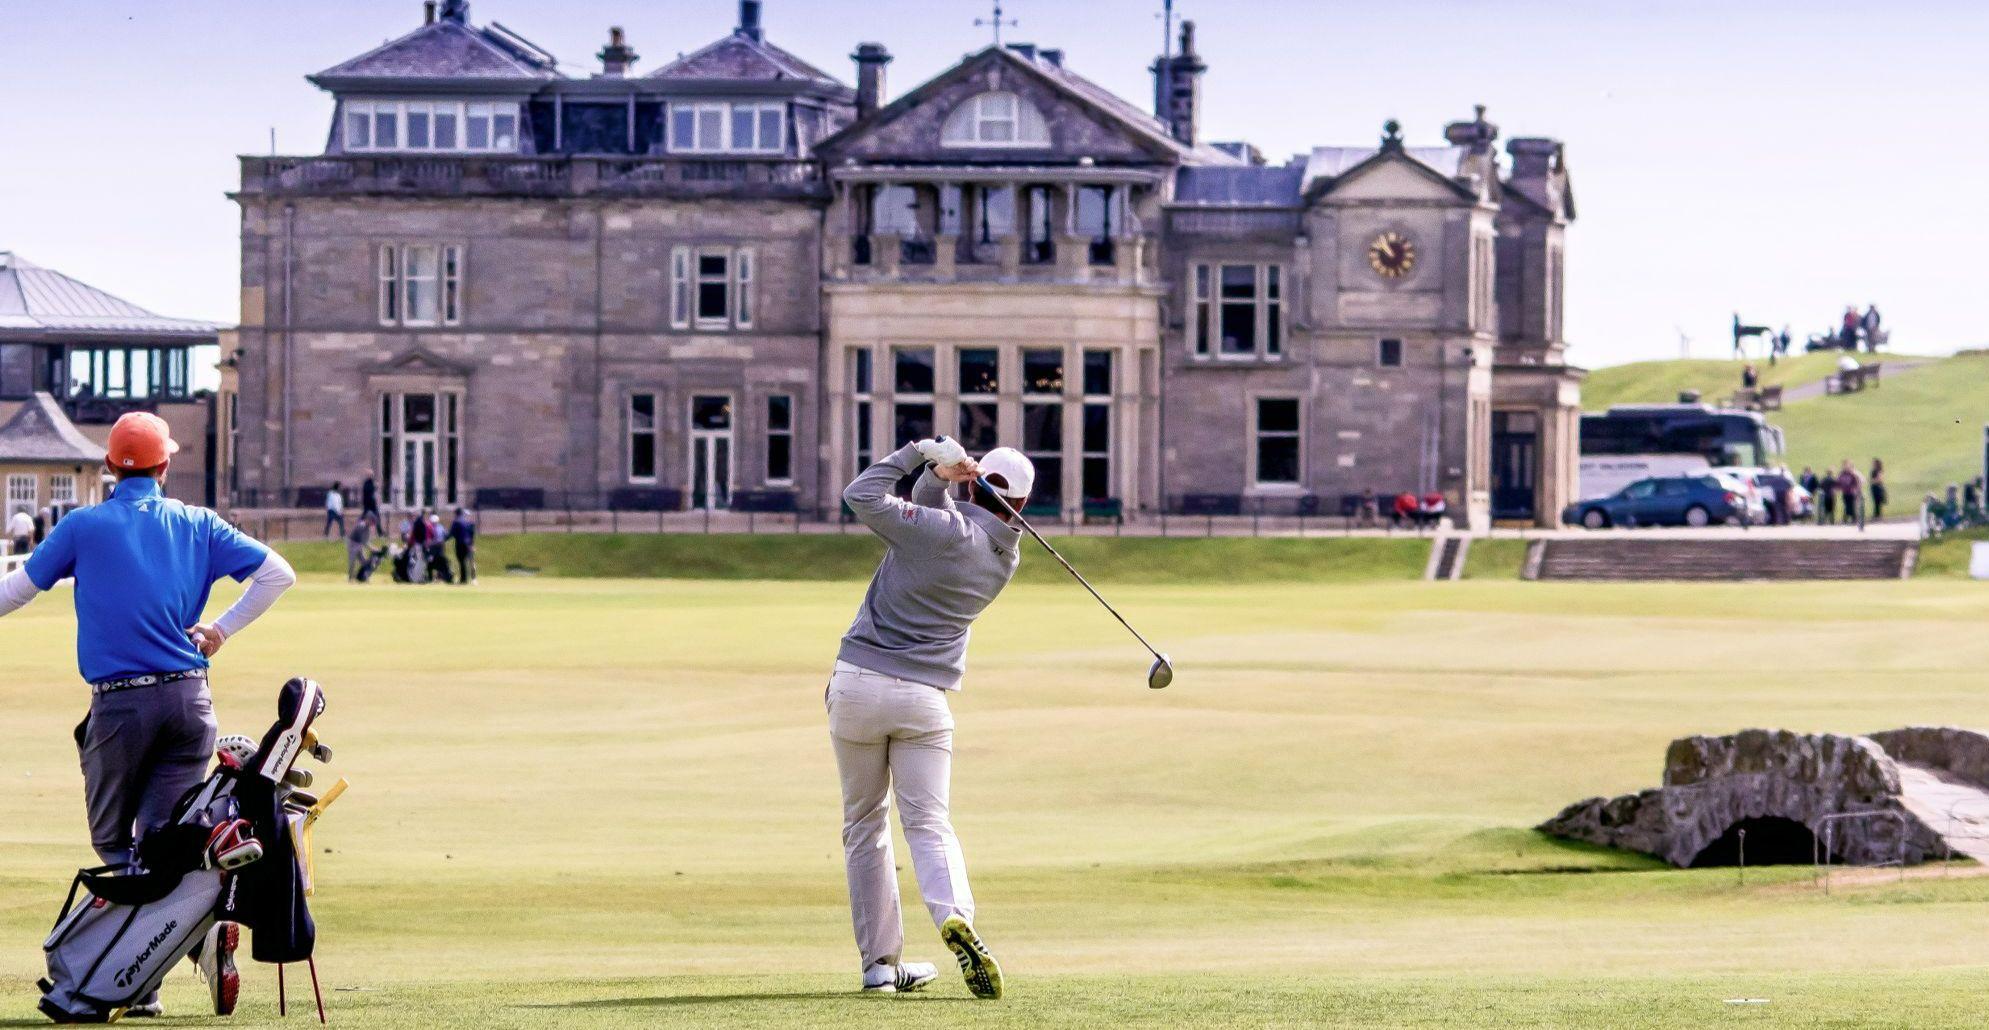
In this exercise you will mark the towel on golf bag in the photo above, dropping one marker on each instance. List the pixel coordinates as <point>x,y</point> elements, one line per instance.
<point>136,920</point>
<point>268,896</point>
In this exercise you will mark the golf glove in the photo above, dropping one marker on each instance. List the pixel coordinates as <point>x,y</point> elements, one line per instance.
<point>943,452</point>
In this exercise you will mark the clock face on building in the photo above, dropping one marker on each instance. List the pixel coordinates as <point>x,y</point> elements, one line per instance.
<point>1391,255</point>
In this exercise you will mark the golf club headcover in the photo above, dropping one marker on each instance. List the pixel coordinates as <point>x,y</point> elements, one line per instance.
<point>232,845</point>
<point>235,750</point>
<point>300,704</point>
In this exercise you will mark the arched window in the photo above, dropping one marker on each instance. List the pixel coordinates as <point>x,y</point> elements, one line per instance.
<point>996,119</point>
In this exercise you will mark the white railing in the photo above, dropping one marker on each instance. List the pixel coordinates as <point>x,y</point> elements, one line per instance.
<point>8,562</point>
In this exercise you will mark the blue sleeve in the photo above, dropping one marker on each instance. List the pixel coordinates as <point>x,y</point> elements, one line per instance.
<point>55,559</point>
<point>230,552</point>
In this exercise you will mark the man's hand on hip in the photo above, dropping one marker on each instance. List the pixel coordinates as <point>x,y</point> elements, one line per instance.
<point>207,637</point>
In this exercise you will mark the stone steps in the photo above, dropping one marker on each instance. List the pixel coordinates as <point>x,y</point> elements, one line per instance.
<point>1621,557</point>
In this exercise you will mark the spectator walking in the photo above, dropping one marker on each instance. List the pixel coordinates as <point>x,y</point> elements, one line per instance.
<point>463,533</point>
<point>1848,337</point>
<point>1870,324</point>
<point>1750,377</point>
<point>335,509</point>
<point>1826,498</point>
<point>438,558</point>
<point>44,521</point>
<point>369,499</point>
<point>21,529</point>
<point>358,546</point>
<point>1809,486</point>
<point>1878,490</point>
<point>1851,487</point>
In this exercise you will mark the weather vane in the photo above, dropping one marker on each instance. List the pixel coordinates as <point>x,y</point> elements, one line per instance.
<point>997,22</point>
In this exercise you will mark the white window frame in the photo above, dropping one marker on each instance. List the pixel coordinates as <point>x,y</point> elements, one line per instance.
<point>970,123</point>
<point>62,489</point>
<point>771,433</point>
<point>491,113</point>
<point>862,405</point>
<point>1097,400</point>
<point>1205,307</point>
<point>23,493</point>
<point>393,275</point>
<point>654,433</point>
<point>1257,436</point>
<point>687,279</point>
<point>722,140</point>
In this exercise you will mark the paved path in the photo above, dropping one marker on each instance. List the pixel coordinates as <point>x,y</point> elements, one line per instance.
<point>1805,391</point>
<point>1953,809</point>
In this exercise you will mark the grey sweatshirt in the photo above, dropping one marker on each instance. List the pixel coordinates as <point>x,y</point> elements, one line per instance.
<point>944,565</point>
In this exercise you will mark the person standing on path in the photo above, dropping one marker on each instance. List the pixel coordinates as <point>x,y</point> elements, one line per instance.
<point>889,720</point>
<point>335,509</point>
<point>21,530</point>
<point>1851,487</point>
<point>369,499</point>
<point>143,566</point>
<point>1878,490</point>
<point>1826,498</point>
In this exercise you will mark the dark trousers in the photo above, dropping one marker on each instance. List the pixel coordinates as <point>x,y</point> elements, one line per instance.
<point>141,749</point>
<point>466,563</point>
<point>334,518</point>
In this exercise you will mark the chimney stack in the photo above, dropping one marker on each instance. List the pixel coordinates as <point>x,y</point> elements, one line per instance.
<point>428,12</point>
<point>457,11</point>
<point>1054,55</point>
<point>870,60</point>
<point>1533,157</point>
<point>1177,88</point>
<point>1476,134</point>
<point>617,55</point>
<point>749,20</point>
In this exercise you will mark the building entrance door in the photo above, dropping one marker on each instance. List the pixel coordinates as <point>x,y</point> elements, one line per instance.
<point>419,435</point>
<point>711,452</point>
<point>1515,464</point>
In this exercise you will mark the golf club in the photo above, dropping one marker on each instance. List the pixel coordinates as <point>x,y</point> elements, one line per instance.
<point>1162,671</point>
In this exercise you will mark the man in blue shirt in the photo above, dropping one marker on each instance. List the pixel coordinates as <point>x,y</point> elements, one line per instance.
<point>143,566</point>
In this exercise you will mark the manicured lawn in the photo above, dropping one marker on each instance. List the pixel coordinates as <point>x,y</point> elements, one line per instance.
<point>611,803</point>
<point>1659,382</point>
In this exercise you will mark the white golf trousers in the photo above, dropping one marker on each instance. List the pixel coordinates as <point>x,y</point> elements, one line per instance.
<point>894,736</point>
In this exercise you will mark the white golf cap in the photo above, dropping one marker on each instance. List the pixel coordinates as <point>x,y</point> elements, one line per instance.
<point>1015,470</point>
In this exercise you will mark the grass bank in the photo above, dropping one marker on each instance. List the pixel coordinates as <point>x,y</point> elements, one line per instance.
<point>817,557</point>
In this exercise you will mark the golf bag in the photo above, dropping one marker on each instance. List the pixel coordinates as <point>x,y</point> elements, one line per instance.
<point>369,564</point>
<point>230,852</point>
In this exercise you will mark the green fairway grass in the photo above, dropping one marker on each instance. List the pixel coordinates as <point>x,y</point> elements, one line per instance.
<point>612,803</point>
<point>1660,382</point>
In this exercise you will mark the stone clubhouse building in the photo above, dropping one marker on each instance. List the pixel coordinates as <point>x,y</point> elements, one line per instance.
<point>733,280</point>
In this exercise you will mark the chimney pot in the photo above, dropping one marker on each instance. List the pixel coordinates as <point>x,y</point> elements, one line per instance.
<point>617,56</point>
<point>870,60</point>
<point>428,12</point>
<point>749,20</point>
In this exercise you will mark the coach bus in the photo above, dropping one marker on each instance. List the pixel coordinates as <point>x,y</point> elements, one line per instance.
<point>1631,442</point>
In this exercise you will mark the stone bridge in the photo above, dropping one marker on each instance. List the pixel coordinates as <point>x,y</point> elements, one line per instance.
<point>1908,794</point>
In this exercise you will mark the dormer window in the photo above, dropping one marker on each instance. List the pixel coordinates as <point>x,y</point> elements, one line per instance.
<point>431,126</point>
<point>728,128</point>
<point>996,119</point>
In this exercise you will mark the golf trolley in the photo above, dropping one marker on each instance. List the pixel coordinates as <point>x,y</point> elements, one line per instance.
<point>238,850</point>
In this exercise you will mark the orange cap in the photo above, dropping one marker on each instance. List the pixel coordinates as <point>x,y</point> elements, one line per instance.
<point>141,440</point>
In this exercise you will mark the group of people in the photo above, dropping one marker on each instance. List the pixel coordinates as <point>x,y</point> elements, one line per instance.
<point>1840,496</point>
<point>419,552</point>
<point>1855,329</point>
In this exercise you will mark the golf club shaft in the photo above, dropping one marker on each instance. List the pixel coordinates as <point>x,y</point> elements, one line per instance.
<point>1031,530</point>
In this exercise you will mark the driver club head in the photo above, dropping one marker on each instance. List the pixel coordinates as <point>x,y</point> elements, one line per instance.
<point>1161,674</point>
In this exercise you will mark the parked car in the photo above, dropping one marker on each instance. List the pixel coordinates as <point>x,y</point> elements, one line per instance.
<point>1705,499</point>
<point>1801,505</point>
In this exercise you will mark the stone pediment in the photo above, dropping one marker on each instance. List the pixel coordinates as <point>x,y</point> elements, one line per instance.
<point>420,361</point>
<point>1390,175</point>
<point>1082,118</point>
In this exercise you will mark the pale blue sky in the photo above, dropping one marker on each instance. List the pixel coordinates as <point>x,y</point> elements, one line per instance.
<point>1784,157</point>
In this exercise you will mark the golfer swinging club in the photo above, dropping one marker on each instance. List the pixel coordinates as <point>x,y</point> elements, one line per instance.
<point>143,566</point>
<point>888,715</point>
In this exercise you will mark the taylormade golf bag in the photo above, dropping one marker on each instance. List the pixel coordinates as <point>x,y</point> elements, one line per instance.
<point>231,852</point>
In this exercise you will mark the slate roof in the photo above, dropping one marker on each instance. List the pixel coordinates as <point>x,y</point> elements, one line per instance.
<point>446,49</point>
<point>40,432</point>
<point>36,301</point>
<point>1118,107</point>
<point>1246,186</point>
<point>741,57</point>
<point>1333,162</point>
